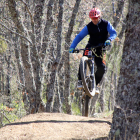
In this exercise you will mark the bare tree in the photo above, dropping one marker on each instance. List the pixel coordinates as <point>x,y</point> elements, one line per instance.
<point>29,52</point>
<point>126,117</point>
<point>50,86</point>
<point>118,13</point>
<point>67,66</point>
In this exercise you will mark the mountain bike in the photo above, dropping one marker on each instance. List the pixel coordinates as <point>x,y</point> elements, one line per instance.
<point>87,74</point>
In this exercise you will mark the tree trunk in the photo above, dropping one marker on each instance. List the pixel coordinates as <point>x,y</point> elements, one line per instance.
<point>21,83</point>
<point>118,14</point>
<point>57,101</point>
<point>126,116</point>
<point>66,63</point>
<point>47,30</point>
<point>50,86</point>
<point>92,104</point>
<point>102,96</point>
<point>8,79</point>
<point>25,49</point>
<point>36,38</point>
<point>39,5</point>
<point>8,61</point>
<point>94,3</point>
<point>1,75</point>
<point>111,96</point>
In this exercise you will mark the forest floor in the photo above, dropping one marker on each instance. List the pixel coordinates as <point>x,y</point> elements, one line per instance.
<point>57,126</point>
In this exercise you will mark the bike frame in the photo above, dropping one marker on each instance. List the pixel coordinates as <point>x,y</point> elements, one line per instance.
<point>88,77</point>
<point>90,62</point>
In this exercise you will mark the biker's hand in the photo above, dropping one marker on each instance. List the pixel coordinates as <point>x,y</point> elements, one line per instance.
<point>107,42</point>
<point>71,50</point>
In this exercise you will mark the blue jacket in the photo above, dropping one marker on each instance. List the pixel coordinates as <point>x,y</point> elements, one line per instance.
<point>98,33</point>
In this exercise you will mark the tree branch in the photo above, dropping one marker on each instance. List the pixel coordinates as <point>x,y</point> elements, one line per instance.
<point>16,33</point>
<point>5,117</point>
<point>15,15</point>
<point>32,21</point>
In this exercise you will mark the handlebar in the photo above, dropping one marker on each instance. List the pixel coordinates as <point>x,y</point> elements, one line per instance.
<point>92,47</point>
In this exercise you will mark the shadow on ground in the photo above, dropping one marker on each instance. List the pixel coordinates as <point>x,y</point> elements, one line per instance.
<point>57,121</point>
<point>102,138</point>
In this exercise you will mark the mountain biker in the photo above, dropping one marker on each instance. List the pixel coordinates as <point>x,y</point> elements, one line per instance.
<point>99,31</point>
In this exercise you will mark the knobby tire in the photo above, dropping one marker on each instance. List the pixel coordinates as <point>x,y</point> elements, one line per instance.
<point>85,70</point>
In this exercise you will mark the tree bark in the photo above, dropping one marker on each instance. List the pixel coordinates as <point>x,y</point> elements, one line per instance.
<point>119,12</point>
<point>25,47</point>
<point>39,5</point>
<point>102,96</point>
<point>36,39</point>
<point>126,116</point>
<point>111,96</point>
<point>8,78</point>
<point>57,107</point>
<point>50,86</point>
<point>66,63</point>
<point>47,30</point>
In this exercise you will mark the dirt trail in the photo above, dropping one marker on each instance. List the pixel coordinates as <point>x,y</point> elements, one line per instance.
<point>56,126</point>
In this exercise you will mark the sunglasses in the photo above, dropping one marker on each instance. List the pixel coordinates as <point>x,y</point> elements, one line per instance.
<point>95,18</point>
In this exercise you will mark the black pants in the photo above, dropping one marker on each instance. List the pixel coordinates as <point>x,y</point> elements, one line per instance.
<point>101,68</point>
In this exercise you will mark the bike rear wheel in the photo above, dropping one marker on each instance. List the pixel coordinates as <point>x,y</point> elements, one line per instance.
<point>87,79</point>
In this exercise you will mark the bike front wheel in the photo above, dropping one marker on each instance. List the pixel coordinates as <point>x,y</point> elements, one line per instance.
<point>88,79</point>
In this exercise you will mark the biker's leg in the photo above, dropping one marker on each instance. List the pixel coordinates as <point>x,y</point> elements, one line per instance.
<point>79,84</point>
<point>79,74</point>
<point>101,68</point>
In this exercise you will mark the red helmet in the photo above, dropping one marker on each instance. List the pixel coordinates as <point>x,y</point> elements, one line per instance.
<point>94,13</point>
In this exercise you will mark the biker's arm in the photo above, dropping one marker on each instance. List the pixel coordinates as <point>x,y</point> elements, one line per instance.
<point>111,31</point>
<point>79,37</point>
